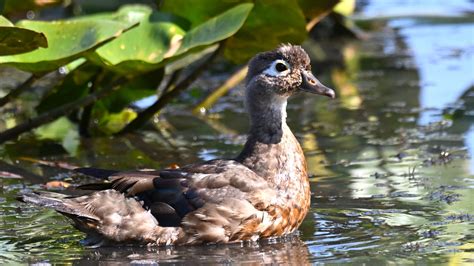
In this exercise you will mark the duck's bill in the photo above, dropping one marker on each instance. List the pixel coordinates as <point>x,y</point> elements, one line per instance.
<point>312,85</point>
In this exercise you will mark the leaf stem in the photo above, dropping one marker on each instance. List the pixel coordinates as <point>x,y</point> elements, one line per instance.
<point>220,91</point>
<point>171,82</point>
<point>87,110</point>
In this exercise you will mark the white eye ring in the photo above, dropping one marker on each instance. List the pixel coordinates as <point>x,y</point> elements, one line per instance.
<point>272,69</point>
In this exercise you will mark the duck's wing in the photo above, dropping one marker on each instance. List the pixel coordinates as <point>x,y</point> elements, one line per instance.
<point>171,194</point>
<point>213,202</point>
<point>165,193</point>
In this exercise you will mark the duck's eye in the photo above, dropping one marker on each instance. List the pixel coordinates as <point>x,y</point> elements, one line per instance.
<point>280,67</point>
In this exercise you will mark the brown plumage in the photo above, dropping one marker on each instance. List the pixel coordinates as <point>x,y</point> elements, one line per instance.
<point>263,192</point>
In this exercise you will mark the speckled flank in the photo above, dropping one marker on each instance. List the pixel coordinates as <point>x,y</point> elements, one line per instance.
<point>264,192</point>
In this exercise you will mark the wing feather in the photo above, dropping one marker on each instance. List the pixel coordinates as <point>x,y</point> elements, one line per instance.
<point>171,194</point>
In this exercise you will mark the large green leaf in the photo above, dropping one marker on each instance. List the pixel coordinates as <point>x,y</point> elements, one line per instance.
<point>161,37</point>
<point>147,44</point>
<point>270,23</point>
<point>68,40</point>
<point>14,40</point>
<point>215,29</point>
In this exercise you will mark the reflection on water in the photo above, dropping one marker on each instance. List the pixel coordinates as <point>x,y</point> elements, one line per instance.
<point>438,58</point>
<point>390,160</point>
<point>393,8</point>
<point>290,250</point>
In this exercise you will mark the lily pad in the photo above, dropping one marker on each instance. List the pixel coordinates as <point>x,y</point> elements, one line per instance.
<point>162,36</point>
<point>215,29</point>
<point>68,40</point>
<point>147,44</point>
<point>14,40</point>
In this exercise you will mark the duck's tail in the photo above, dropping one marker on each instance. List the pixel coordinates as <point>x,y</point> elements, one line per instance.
<point>81,218</point>
<point>107,217</point>
<point>54,201</point>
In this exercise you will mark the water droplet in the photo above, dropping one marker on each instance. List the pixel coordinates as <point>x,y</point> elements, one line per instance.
<point>30,14</point>
<point>63,70</point>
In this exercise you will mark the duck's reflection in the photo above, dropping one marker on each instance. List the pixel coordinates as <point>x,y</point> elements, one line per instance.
<point>289,250</point>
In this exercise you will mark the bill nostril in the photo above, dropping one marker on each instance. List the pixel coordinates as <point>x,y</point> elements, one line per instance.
<point>312,81</point>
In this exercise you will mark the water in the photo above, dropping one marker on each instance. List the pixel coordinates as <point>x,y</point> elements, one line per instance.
<point>391,160</point>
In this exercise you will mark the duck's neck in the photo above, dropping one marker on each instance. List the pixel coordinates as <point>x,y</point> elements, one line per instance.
<point>267,119</point>
<point>271,149</point>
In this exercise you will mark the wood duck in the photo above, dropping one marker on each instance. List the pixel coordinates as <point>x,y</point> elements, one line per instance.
<point>263,192</point>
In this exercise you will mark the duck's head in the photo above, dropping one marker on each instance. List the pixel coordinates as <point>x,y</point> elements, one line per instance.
<point>283,72</point>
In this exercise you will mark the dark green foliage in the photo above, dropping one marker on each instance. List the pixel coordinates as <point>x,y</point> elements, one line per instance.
<point>269,24</point>
<point>136,42</point>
